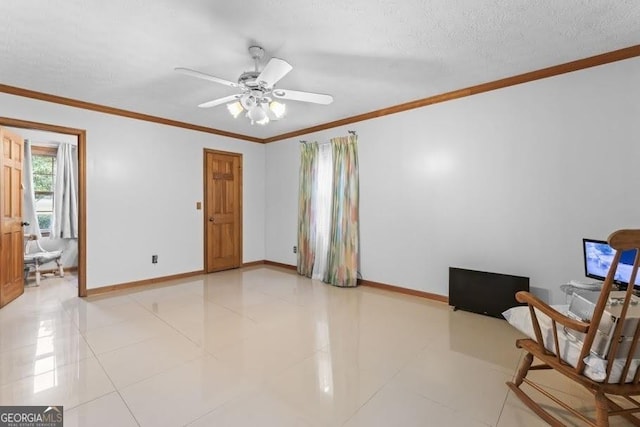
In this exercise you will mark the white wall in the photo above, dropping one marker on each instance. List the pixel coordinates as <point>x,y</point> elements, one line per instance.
<point>143,182</point>
<point>507,181</point>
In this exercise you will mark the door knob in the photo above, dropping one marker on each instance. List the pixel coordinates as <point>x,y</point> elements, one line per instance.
<point>24,224</point>
<point>212,219</point>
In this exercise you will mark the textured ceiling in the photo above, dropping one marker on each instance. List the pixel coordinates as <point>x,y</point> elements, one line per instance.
<point>367,54</point>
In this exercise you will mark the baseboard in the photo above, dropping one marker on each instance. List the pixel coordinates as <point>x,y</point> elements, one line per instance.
<point>253,263</point>
<point>281,265</point>
<point>138,283</point>
<point>361,282</point>
<point>407,291</point>
<point>372,284</point>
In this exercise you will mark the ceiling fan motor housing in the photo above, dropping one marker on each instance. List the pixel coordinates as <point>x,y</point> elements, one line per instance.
<point>248,79</point>
<point>253,98</point>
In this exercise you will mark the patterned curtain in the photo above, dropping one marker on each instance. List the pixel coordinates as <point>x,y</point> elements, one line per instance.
<point>306,214</point>
<point>344,242</point>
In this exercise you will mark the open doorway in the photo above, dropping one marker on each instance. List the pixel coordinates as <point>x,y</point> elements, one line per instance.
<point>44,137</point>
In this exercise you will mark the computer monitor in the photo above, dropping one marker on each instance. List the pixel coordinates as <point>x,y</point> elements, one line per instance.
<point>598,256</point>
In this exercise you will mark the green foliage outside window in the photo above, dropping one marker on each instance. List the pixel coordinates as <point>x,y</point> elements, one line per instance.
<point>44,168</point>
<point>44,221</point>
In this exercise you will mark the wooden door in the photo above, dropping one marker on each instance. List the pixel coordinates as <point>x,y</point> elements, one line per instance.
<point>223,210</point>
<point>11,234</point>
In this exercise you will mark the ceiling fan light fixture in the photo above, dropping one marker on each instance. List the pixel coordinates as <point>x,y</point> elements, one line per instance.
<point>278,109</point>
<point>258,115</point>
<point>235,108</point>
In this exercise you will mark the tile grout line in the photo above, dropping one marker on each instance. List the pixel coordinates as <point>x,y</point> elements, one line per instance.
<point>116,390</point>
<point>206,353</point>
<point>95,356</point>
<point>168,324</point>
<point>385,384</point>
<point>143,379</point>
<point>184,362</point>
<point>506,397</point>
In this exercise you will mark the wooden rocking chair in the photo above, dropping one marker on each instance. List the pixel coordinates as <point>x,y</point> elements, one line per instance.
<point>618,358</point>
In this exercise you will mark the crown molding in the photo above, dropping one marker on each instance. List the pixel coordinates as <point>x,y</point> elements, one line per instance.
<point>580,64</point>
<point>28,93</point>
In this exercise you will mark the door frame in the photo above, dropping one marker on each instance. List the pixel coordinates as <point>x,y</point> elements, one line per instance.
<point>81,134</point>
<point>205,206</point>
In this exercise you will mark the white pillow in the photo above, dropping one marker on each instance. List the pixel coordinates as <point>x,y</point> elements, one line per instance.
<point>520,318</point>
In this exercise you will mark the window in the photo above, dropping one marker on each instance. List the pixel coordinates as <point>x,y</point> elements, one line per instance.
<point>44,172</point>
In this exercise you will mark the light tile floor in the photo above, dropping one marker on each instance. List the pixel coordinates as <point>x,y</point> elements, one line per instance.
<point>260,347</point>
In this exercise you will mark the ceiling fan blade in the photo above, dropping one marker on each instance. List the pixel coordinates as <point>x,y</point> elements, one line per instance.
<point>295,95</point>
<point>198,74</point>
<point>219,101</point>
<point>275,69</point>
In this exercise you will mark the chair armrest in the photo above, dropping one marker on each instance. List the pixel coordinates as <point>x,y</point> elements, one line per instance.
<point>556,316</point>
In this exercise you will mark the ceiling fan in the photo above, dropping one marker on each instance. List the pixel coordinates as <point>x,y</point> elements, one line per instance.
<point>257,90</point>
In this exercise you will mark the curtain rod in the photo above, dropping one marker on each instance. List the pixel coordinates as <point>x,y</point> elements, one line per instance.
<point>352,132</point>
